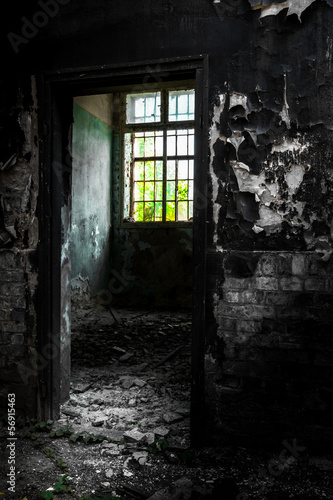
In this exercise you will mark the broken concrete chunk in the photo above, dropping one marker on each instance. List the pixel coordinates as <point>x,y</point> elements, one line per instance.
<point>119,349</point>
<point>110,453</point>
<point>150,437</point>
<point>134,436</point>
<point>161,431</point>
<point>139,383</point>
<point>141,367</point>
<point>126,357</point>
<point>81,387</point>
<point>170,417</point>
<point>126,382</point>
<point>70,413</point>
<point>99,422</point>
<point>183,411</point>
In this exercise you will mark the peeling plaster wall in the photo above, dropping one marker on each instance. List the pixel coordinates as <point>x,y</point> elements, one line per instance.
<point>268,364</point>
<point>18,245</point>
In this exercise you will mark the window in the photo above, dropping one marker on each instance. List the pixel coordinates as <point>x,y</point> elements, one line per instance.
<point>159,155</point>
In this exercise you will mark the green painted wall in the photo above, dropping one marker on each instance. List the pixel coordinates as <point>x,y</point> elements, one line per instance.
<point>91,198</point>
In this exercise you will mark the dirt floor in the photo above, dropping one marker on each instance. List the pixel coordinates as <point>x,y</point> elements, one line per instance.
<point>124,433</point>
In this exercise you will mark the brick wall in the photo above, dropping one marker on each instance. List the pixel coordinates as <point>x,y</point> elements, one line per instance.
<point>269,356</point>
<point>18,372</point>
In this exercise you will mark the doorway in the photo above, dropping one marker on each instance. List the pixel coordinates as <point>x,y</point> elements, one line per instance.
<point>57,377</point>
<point>131,280</point>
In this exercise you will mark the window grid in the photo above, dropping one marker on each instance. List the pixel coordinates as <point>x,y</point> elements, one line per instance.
<point>162,168</point>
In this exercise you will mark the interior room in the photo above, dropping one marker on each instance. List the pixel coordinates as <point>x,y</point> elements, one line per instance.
<point>131,262</point>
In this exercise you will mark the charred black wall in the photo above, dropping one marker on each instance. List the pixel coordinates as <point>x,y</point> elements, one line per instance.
<point>268,364</point>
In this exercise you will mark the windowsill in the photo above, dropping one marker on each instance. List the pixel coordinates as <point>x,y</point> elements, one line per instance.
<point>155,225</point>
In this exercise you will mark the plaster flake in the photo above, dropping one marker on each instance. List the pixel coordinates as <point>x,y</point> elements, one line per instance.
<point>294,178</point>
<point>285,109</point>
<point>294,7</point>
<point>257,229</point>
<point>214,136</point>
<point>237,99</point>
<point>236,140</point>
<point>248,182</point>
<point>269,219</point>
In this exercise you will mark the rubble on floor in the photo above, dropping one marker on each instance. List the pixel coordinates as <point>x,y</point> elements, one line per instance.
<point>133,371</point>
<point>124,433</point>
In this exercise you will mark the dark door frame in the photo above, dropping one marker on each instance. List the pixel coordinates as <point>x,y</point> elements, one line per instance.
<point>55,96</point>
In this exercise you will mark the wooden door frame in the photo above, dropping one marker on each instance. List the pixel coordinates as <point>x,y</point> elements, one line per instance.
<point>55,93</point>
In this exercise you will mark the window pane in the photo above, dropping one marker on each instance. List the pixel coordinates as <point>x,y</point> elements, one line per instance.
<point>149,191</point>
<point>159,190</point>
<point>171,193</point>
<point>182,190</point>
<point>158,211</point>
<point>172,107</point>
<point>191,103</point>
<point>170,211</point>
<point>139,170</point>
<point>149,171</point>
<point>148,212</point>
<point>190,190</point>
<point>138,211</point>
<point>159,146</point>
<point>182,145</point>
<point>171,144</point>
<point>191,144</point>
<point>190,210</point>
<point>183,169</point>
<point>159,170</point>
<point>149,146</point>
<point>171,169</point>
<point>139,147</point>
<point>191,169</point>
<point>181,105</point>
<point>138,191</point>
<point>143,107</point>
<point>182,210</point>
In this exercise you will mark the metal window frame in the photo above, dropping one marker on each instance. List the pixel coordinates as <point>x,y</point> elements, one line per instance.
<point>163,125</point>
<point>165,158</point>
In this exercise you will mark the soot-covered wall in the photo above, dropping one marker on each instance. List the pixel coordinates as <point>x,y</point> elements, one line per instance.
<point>268,349</point>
